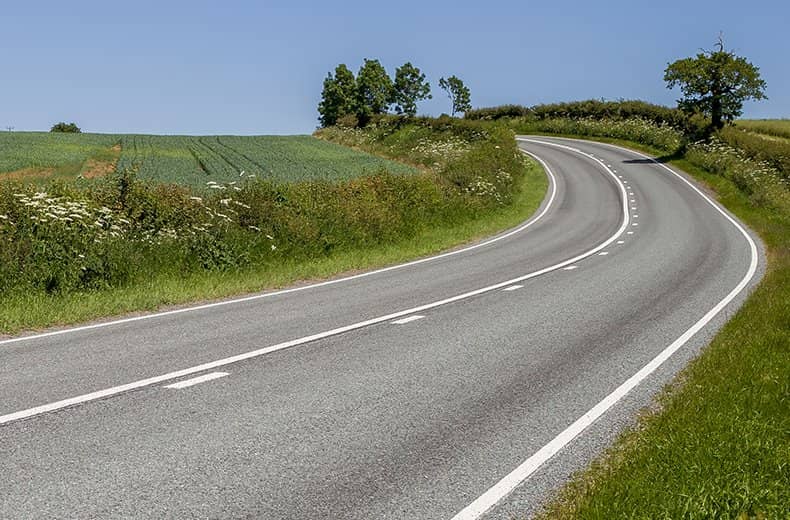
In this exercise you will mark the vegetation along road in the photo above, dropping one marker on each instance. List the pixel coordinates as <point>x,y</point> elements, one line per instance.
<point>463,384</point>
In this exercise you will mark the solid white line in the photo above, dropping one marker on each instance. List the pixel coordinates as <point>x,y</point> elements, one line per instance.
<point>570,268</point>
<point>30,412</point>
<point>526,225</point>
<point>197,380</point>
<point>408,320</point>
<point>505,486</point>
<point>512,287</point>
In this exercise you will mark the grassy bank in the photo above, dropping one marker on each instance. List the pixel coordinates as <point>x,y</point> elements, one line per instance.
<point>717,443</point>
<point>119,244</point>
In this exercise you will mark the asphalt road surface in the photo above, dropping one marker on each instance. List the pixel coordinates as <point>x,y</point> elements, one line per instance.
<point>465,385</point>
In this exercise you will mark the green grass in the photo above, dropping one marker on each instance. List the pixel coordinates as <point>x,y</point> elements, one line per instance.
<point>772,127</point>
<point>34,310</point>
<point>188,160</point>
<point>718,443</point>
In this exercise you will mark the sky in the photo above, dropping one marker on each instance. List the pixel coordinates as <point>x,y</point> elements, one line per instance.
<point>257,67</point>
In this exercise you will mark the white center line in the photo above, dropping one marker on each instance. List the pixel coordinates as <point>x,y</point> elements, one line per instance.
<point>603,253</point>
<point>636,216</point>
<point>635,224</point>
<point>407,319</point>
<point>512,287</point>
<point>570,268</point>
<point>196,380</point>
<point>621,241</point>
<point>630,232</point>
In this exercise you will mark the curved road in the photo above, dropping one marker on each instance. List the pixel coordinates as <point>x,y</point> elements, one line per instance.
<point>464,386</point>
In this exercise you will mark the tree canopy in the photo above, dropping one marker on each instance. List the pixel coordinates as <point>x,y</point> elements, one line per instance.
<point>410,87</point>
<point>458,93</point>
<point>715,83</point>
<point>338,97</point>
<point>374,90</point>
<point>69,128</point>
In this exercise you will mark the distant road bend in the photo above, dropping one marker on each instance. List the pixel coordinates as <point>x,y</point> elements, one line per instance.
<point>464,386</point>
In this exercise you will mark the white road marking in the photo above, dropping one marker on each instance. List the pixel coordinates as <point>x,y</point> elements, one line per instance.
<point>526,225</point>
<point>635,224</point>
<point>197,380</point>
<point>409,319</point>
<point>570,268</point>
<point>636,216</point>
<point>633,200</point>
<point>505,486</point>
<point>603,253</point>
<point>630,232</point>
<point>621,241</point>
<point>512,287</point>
<point>633,207</point>
<point>100,394</point>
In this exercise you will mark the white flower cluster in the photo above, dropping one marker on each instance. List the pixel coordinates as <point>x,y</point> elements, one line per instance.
<point>483,188</point>
<point>44,210</point>
<point>447,149</point>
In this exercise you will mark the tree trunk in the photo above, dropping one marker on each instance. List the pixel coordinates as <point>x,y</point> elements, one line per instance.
<point>716,120</point>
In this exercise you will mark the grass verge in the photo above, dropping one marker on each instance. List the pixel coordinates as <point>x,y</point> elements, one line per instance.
<point>35,310</point>
<point>716,446</point>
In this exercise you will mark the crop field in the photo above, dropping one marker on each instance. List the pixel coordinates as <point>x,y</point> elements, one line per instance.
<point>36,155</point>
<point>187,160</point>
<point>772,127</point>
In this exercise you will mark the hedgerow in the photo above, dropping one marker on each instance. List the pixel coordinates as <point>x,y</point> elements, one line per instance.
<point>95,234</point>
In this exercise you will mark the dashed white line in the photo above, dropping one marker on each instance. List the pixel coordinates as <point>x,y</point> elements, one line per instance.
<point>512,287</point>
<point>196,380</point>
<point>621,241</point>
<point>603,253</point>
<point>635,224</point>
<point>570,268</point>
<point>630,232</point>
<point>408,319</point>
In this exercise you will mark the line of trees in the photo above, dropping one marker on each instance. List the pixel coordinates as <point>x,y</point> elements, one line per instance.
<point>353,101</point>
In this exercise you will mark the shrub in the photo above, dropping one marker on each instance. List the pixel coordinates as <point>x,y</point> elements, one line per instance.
<point>499,112</point>
<point>774,151</point>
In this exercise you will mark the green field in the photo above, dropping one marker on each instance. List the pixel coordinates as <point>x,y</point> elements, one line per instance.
<point>772,127</point>
<point>187,160</point>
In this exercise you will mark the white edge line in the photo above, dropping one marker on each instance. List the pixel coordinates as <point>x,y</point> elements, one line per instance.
<point>197,380</point>
<point>254,297</point>
<point>409,319</point>
<point>505,486</point>
<point>100,394</point>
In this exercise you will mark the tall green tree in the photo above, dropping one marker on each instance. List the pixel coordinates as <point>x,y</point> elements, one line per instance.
<point>459,94</point>
<point>374,90</point>
<point>410,87</point>
<point>715,83</point>
<point>338,97</point>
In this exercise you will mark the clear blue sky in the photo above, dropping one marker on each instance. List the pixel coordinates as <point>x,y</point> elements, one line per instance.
<point>256,67</point>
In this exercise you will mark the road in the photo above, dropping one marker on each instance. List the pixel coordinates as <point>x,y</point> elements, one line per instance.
<point>469,384</point>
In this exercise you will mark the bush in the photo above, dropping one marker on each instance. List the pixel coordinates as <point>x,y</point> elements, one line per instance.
<point>67,128</point>
<point>494,113</point>
<point>775,152</point>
